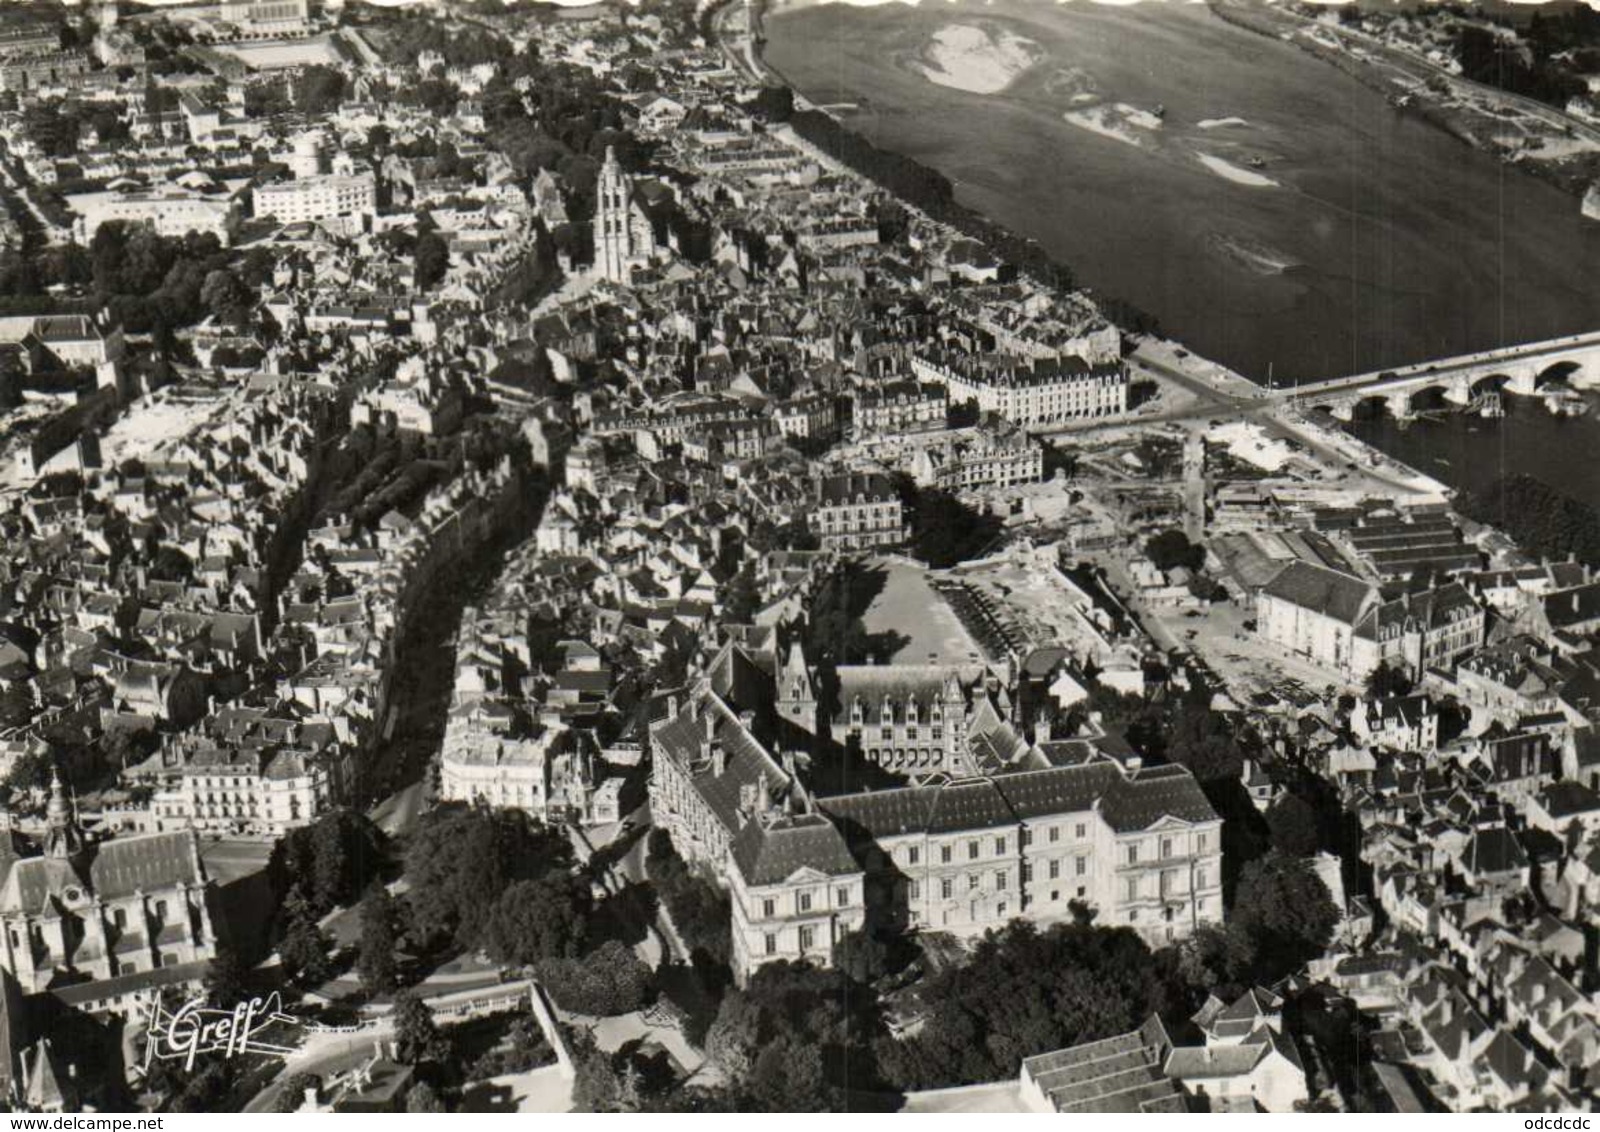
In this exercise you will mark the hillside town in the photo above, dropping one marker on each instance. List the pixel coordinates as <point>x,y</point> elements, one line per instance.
<point>520,551</point>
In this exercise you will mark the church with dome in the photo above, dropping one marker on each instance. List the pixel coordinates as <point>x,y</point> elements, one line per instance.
<point>107,925</point>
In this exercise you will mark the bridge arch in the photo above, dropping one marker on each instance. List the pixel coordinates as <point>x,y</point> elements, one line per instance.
<point>1491,383</point>
<point>1433,396</point>
<point>1562,370</point>
<point>1370,406</point>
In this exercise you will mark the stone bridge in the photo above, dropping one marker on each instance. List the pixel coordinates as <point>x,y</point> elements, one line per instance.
<point>1521,369</point>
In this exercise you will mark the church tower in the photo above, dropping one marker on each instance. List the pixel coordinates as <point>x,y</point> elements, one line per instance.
<point>797,691</point>
<point>623,238</point>
<point>62,840</point>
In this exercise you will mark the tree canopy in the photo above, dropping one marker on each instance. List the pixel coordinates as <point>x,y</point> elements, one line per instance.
<point>1285,911</point>
<point>1026,991</point>
<point>794,1038</point>
<point>610,980</point>
<point>1292,822</point>
<point>1539,518</point>
<point>1386,680</point>
<point>375,955</point>
<point>542,918</point>
<point>332,860</point>
<point>1171,549</point>
<point>1205,741</point>
<point>417,1039</point>
<point>944,530</point>
<point>461,861</point>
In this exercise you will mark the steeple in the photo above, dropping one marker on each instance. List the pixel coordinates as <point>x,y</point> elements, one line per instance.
<point>623,238</point>
<point>63,839</point>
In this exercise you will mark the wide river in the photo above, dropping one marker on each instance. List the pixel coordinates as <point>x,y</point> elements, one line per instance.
<point>1278,216</point>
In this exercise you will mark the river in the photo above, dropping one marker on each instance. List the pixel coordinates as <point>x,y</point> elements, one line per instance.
<point>1279,217</point>
<point>1384,240</point>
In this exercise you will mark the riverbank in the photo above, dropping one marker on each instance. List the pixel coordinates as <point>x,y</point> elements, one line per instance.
<point>1417,87</point>
<point>912,181</point>
<point>1386,242</point>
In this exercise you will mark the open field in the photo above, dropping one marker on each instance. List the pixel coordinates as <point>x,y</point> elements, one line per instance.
<point>908,605</point>
<point>273,55</point>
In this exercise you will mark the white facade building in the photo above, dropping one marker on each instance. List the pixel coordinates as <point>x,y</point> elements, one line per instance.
<point>317,199</point>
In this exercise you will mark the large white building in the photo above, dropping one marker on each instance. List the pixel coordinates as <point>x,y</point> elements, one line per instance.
<point>1344,622</point>
<point>275,15</point>
<point>171,210</point>
<point>549,774</point>
<point>857,511</point>
<point>246,769</point>
<point>1028,391</point>
<point>1140,846</point>
<point>319,199</point>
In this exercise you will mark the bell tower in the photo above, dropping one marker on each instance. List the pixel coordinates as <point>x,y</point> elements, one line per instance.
<point>613,228</point>
<point>797,691</point>
<point>63,839</point>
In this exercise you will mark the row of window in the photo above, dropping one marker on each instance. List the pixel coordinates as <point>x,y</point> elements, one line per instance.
<point>808,940</point>
<point>1167,847</point>
<point>805,900</point>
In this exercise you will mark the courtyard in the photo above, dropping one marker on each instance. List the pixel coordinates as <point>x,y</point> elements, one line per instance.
<point>908,605</point>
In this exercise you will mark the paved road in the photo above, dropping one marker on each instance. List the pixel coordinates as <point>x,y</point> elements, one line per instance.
<point>397,813</point>
<point>228,860</point>
<point>1261,408</point>
<point>323,1055</point>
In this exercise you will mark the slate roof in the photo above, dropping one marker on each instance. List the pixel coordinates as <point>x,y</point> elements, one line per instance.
<point>1566,798</point>
<point>1240,1017</point>
<point>1126,803</point>
<point>1063,789</point>
<point>746,759</point>
<point>119,867</point>
<point>898,683</point>
<point>1151,793</point>
<point>32,881</point>
<point>1510,1061</point>
<point>772,852</point>
<point>883,813</point>
<point>1494,850</point>
<point>969,804</point>
<point>1191,1062</point>
<point>1329,592</point>
<point>869,487</point>
<point>147,862</point>
<point>1572,606</point>
<point>1116,1074</point>
<point>1426,610</point>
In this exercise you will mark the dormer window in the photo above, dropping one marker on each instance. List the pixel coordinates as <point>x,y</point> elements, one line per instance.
<point>887,711</point>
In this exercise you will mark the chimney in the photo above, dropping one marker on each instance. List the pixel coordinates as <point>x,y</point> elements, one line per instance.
<point>747,720</point>
<point>1041,729</point>
<point>719,759</point>
<point>710,720</point>
<point>672,707</point>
